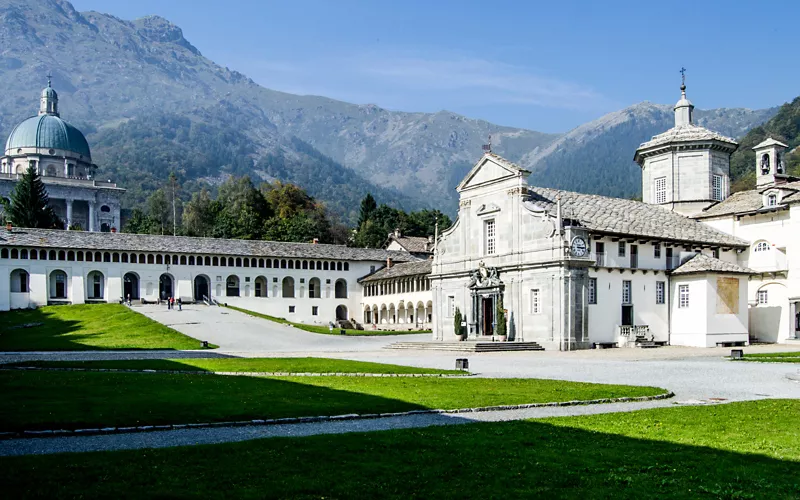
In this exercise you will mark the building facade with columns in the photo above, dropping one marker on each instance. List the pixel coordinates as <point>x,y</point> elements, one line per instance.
<point>60,154</point>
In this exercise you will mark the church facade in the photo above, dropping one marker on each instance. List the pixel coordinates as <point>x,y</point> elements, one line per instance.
<point>689,265</point>
<point>60,154</point>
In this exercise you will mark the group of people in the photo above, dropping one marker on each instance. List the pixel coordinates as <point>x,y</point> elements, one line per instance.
<point>172,302</point>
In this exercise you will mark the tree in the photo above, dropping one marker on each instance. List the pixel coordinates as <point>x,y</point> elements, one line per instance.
<point>500,331</point>
<point>458,329</point>
<point>30,205</point>
<point>138,223</point>
<point>368,206</point>
<point>200,214</point>
<point>158,209</point>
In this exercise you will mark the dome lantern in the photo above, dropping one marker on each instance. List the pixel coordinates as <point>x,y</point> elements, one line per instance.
<point>48,104</point>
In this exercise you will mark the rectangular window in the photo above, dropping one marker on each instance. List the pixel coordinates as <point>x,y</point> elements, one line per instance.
<point>489,236</point>
<point>536,305</point>
<point>661,189</point>
<point>599,253</point>
<point>715,253</point>
<point>593,290</point>
<point>716,187</point>
<point>451,305</point>
<point>660,286</point>
<point>315,310</point>
<point>621,251</point>
<point>291,309</point>
<point>683,296</point>
<point>626,292</point>
<point>762,297</point>
<point>656,250</point>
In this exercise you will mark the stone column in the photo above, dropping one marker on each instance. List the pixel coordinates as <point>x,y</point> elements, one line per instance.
<point>92,216</point>
<point>69,212</point>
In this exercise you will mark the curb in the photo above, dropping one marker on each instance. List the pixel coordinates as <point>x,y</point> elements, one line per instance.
<point>235,374</point>
<point>303,420</point>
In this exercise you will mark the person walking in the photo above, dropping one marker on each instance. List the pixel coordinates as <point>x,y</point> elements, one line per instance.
<point>179,304</point>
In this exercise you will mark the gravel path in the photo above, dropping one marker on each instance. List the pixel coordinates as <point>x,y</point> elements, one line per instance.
<point>215,435</point>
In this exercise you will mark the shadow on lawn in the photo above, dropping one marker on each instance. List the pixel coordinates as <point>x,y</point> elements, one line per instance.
<point>73,400</point>
<point>501,460</point>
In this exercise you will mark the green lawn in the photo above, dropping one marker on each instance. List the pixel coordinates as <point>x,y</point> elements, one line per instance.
<point>280,365</point>
<point>87,327</point>
<point>774,357</point>
<point>325,329</point>
<point>738,450</point>
<point>65,400</point>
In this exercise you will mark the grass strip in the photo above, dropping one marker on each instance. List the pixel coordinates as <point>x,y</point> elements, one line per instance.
<point>71,400</point>
<point>87,327</point>
<point>283,365</point>
<point>324,329</point>
<point>737,450</point>
<point>774,355</point>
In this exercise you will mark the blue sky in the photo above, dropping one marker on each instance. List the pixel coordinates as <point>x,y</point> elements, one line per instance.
<point>546,66</point>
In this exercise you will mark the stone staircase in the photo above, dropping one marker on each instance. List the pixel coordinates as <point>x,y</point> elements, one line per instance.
<point>468,346</point>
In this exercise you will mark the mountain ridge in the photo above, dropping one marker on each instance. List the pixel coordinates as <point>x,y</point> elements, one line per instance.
<point>111,72</point>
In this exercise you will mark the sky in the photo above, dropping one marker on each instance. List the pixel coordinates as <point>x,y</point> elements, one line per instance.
<point>546,66</point>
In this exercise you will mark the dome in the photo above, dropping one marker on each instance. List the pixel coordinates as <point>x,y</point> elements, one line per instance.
<point>49,92</point>
<point>47,131</point>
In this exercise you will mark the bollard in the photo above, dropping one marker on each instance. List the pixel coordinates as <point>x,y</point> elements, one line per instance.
<point>737,354</point>
<point>342,332</point>
<point>462,364</point>
<point>204,344</point>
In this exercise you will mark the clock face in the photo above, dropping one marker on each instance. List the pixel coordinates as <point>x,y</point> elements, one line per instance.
<point>578,247</point>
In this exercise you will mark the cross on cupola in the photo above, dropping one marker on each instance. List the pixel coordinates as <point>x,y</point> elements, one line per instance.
<point>48,103</point>
<point>684,107</point>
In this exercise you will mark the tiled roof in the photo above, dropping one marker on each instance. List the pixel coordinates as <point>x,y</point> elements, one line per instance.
<point>686,133</point>
<point>702,263</point>
<point>769,142</point>
<point>627,217</point>
<point>84,240</point>
<point>750,201</point>
<point>400,270</point>
<point>414,244</point>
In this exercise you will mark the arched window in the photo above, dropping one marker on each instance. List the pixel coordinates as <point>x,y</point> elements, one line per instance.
<point>4,253</point>
<point>314,288</point>
<point>174,260</point>
<point>762,246</point>
<point>238,262</point>
<point>124,258</point>
<point>42,254</point>
<point>305,264</point>
<point>325,265</point>
<point>191,260</point>
<point>143,259</point>
<point>98,257</point>
<point>62,255</point>
<point>346,266</point>
<point>261,286</point>
<point>338,266</point>
<point>260,262</point>
<point>269,263</point>
<point>150,258</point>
<point>230,262</point>
<point>58,284</point>
<point>105,208</point>
<point>319,266</point>
<point>23,254</point>
<point>115,257</point>
<point>80,255</point>
<point>52,255</point>
<point>288,287</point>
<point>764,164</point>
<point>159,259</point>
<point>134,260</point>
<point>283,264</point>
<point>216,261</point>
<point>340,289</point>
<point>95,285</point>
<point>14,253</point>
<point>183,260</point>
<point>772,200</point>
<point>207,260</point>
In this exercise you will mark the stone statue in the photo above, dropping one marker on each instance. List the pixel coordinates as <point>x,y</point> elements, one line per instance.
<point>484,277</point>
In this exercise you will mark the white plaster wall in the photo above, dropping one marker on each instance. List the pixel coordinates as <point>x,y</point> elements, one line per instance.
<point>726,327</point>
<point>689,325</point>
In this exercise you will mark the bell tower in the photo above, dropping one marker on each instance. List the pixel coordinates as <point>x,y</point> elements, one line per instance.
<point>769,162</point>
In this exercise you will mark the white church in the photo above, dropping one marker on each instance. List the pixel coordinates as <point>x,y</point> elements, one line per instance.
<point>690,265</point>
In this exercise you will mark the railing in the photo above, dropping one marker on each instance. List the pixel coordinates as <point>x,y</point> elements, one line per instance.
<point>71,180</point>
<point>633,331</point>
<point>599,259</point>
<point>210,301</point>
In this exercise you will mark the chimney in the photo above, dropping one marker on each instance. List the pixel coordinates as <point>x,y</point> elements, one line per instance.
<point>8,227</point>
<point>389,262</point>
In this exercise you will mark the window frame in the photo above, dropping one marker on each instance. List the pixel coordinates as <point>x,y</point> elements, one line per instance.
<point>661,287</point>
<point>716,187</point>
<point>592,291</point>
<point>627,290</point>
<point>762,297</point>
<point>660,188</point>
<point>490,237</point>
<point>536,301</point>
<point>683,296</point>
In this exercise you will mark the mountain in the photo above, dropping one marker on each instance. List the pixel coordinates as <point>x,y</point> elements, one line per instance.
<point>150,103</point>
<point>597,157</point>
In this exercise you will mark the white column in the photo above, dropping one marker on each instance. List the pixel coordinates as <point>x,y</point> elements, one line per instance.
<point>69,213</point>
<point>92,216</point>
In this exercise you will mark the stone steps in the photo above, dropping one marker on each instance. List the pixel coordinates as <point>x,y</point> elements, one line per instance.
<point>468,346</point>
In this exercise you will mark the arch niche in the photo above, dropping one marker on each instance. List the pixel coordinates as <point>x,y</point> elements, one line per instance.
<point>314,288</point>
<point>341,312</point>
<point>340,289</point>
<point>130,286</point>
<point>165,286</point>
<point>232,286</point>
<point>58,284</point>
<point>288,287</point>
<point>261,286</point>
<point>201,287</point>
<point>20,280</point>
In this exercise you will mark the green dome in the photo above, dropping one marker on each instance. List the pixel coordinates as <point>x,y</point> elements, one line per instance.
<point>47,131</point>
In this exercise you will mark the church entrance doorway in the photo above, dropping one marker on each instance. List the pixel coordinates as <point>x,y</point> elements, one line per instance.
<point>487,315</point>
<point>200,287</point>
<point>627,316</point>
<point>341,313</point>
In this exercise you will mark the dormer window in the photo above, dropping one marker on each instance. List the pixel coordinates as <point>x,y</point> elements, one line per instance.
<point>762,246</point>
<point>772,200</point>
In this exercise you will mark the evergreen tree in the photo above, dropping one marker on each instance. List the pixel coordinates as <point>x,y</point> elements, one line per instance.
<point>30,205</point>
<point>368,206</point>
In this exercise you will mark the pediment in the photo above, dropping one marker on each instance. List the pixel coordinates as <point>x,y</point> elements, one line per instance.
<point>488,208</point>
<point>490,169</point>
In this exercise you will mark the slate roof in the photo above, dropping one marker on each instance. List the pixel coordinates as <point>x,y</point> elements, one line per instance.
<point>400,270</point>
<point>769,142</point>
<point>619,216</point>
<point>686,133</point>
<point>84,240</point>
<point>702,263</point>
<point>414,244</point>
<point>751,201</point>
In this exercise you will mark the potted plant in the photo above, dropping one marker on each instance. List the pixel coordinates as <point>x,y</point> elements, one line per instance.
<point>457,328</point>
<point>500,329</point>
